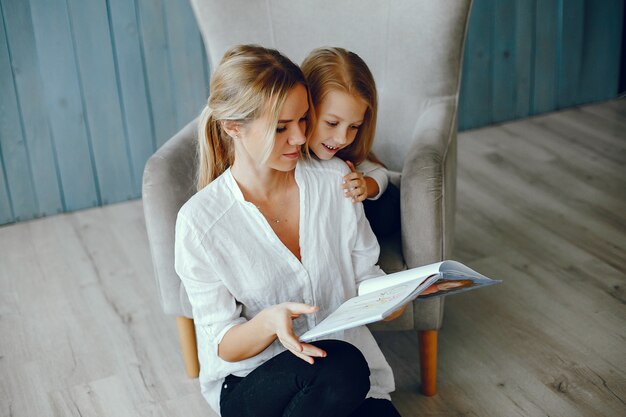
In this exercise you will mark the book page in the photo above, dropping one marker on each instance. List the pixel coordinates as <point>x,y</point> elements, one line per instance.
<point>419,273</point>
<point>381,296</point>
<point>456,269</point>
<point>364,309</point>
<point>455,278</point>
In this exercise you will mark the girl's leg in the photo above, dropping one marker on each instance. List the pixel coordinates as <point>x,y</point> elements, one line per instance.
<point>374,407</point>
<point>289,387</point>
<point>384,213</point>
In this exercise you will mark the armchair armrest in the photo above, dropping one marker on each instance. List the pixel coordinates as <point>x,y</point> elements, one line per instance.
<point>428,200</point>
<point>168,182</point>
<point>428,187</point>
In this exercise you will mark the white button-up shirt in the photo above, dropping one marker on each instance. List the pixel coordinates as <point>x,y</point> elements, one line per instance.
<point>233,265</point>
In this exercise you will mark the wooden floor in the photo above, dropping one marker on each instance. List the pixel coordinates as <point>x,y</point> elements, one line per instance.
<point>541,205</point>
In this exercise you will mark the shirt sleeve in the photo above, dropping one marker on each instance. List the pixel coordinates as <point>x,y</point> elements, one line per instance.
<point>215,310</point>
<point>366,250</point>
<point>378,173</point>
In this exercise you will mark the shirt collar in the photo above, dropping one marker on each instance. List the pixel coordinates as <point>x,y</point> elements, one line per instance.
<point>232,185</point>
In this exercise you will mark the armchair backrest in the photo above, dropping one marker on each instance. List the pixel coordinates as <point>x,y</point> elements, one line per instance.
<point>413,48</point>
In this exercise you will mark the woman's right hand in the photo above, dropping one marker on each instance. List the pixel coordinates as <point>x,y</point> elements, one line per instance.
<point>279,319</point>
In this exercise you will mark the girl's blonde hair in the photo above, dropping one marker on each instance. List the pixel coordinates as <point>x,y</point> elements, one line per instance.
<point>328,69</point>
<point>249,82</point>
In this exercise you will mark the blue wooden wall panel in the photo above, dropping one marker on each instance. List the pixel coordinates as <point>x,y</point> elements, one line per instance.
<point>91,88</point>
<point>14,150</point>
<point>186,61</point>
<point>207,73</point>
<point>36,130</point>
<point>545,63</point>
<point>475,105</point>
<point>92,40</point>
<point>524,37</point>
<point>601,49</point>
<point>152,24</point>
<point>504,86</point>
<point>63,99</point>
<point>571,27</point>
<point>133,87</point>
<point>6,213</point>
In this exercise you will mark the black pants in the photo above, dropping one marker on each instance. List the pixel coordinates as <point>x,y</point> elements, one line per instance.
<point>286,386</point>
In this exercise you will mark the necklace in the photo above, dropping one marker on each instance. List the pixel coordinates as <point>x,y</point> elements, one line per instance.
<point>274,220</point>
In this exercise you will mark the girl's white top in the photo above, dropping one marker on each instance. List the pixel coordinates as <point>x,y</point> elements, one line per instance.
<point>377,172</point>
<point>233,265</point>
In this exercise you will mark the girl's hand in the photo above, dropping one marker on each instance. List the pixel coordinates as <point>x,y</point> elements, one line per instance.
<point>354,185</point>
<point>279,319</point>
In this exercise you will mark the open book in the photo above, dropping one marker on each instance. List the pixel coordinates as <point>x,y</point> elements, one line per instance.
<point>380,297</point>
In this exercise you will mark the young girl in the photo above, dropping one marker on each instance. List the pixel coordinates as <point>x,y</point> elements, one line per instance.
<point>343,92</point>
<point>267,248</point>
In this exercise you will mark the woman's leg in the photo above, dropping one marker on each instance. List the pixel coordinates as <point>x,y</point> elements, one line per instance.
<point>374,407</point>
<point>287,386</point>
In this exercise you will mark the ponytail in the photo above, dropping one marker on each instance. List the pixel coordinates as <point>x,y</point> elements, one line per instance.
<point>215,153</point>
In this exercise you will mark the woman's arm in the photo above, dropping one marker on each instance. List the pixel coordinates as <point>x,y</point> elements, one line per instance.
<point>218,313</point>
<point>251,338</point>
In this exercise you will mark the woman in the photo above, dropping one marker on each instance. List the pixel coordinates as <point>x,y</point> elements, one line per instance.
<point>267,248</point>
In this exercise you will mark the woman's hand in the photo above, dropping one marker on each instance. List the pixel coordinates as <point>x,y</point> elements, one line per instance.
<point>354,185</point>
<point>278,319</point>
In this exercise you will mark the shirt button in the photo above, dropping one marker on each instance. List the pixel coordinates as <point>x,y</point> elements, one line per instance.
<point>307,301</point>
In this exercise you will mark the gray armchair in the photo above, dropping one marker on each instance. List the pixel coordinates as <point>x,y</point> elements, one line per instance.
<point>414,49</point>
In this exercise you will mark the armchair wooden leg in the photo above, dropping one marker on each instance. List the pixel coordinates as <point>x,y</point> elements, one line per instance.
<point>428,361</point>
<point>187,337</point>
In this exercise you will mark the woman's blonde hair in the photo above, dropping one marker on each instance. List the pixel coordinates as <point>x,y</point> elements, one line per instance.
<point>328,69</point>
<point>249,82</point>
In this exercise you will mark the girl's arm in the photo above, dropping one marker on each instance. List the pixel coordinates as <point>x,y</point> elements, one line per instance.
<point>366,180</point>
<point>373,189</point>
<point>377,174</point>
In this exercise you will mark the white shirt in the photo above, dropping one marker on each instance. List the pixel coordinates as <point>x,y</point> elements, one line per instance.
<point>377,172</point>
<point>233,266</point>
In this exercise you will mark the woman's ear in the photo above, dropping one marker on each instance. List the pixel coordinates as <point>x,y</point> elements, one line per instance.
<point>232,128</point>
